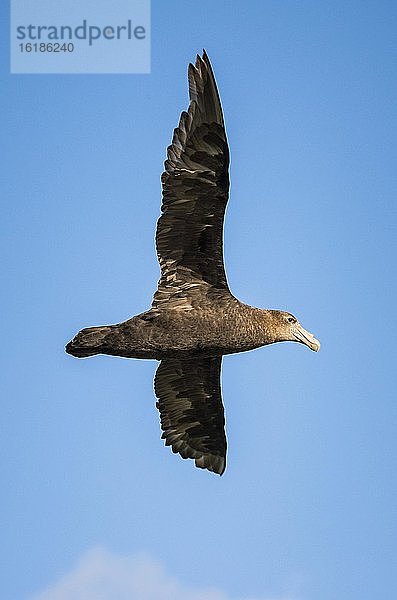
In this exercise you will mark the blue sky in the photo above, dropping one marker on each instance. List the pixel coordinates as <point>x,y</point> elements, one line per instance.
<point>306,509</point>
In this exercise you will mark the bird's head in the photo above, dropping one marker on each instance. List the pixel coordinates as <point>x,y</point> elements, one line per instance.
<point>287,328</point>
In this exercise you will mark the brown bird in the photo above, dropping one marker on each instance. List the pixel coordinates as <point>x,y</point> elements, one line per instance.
<point>194,319</point>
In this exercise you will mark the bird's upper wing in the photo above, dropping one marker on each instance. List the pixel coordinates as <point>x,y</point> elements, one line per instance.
<point>195,192</point>
<point>191,409</point>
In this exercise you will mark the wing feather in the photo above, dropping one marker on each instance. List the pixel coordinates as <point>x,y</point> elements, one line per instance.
<point>195,192</point>
<point>191,410</point>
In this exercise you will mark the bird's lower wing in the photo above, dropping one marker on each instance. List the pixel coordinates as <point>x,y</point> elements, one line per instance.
<point>191,410</point>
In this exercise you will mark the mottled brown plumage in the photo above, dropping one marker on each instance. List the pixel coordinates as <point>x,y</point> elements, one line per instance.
<point>194,319</point>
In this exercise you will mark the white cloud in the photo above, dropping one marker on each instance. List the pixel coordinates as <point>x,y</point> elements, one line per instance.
<point>102,575</point>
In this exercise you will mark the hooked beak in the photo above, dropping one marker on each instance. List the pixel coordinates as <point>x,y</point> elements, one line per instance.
<point>305,337</point>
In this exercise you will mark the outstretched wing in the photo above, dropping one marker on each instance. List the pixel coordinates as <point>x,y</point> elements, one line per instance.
<point>195,192</point>
<point>191,410</point>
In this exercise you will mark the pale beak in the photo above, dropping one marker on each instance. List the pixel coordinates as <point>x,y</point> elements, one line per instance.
<point>305,337</point>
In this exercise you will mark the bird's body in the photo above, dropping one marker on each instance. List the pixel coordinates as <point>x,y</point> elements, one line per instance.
<point>222,328</point>
<point>194,319</point>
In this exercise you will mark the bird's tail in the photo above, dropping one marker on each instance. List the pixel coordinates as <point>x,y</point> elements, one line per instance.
<point>89,341</point>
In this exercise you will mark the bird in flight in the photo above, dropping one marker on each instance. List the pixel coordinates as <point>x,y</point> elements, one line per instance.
<point>194,318</point>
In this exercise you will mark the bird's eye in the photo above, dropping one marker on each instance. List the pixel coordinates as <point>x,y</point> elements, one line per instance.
<point>291,320</point>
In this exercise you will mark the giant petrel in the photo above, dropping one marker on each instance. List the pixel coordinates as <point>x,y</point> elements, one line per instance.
<point>194,318</point>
